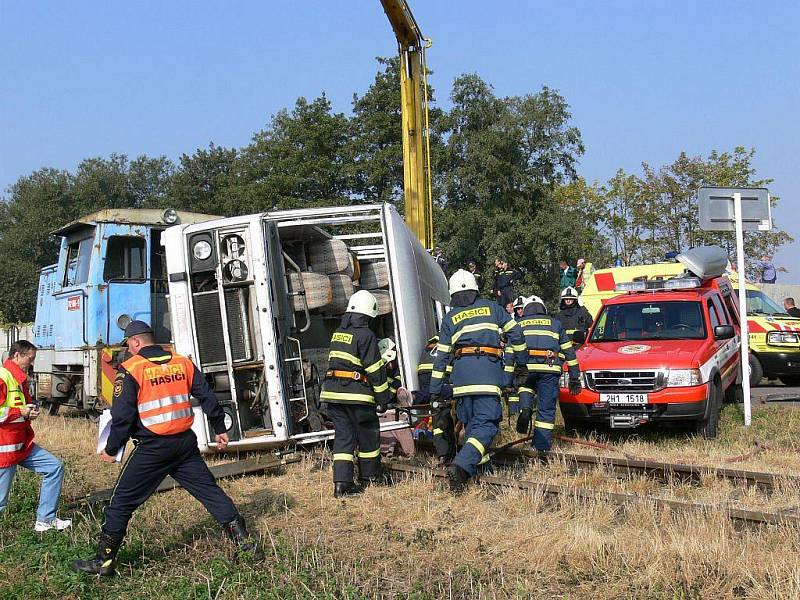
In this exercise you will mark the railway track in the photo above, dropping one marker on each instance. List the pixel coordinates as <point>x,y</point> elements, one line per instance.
<point>623,499</point>
<point>629,466</point>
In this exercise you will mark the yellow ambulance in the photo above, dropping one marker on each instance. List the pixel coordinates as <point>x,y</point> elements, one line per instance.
<point>774,336</point>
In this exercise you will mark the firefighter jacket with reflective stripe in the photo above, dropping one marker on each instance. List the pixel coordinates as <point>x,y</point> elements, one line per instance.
<point>164,401</point>
<point>548,344</point>
<point>482,324</point>
<point>575,318</point>
<point>354,349</point>
<point>425,366</point>
<point>16,433</point>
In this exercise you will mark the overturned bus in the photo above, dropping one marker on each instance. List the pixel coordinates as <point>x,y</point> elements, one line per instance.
<point>255,299</point>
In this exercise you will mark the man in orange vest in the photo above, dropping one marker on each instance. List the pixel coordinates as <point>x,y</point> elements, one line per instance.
<point>152,405</point>
<point>16,438</point>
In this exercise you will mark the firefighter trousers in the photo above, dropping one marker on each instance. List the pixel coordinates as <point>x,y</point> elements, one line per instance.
<point>356,426</point>
<point>444,434</point>
<point>148,464</point>
<point>546,387</point>
<point>481,416</point>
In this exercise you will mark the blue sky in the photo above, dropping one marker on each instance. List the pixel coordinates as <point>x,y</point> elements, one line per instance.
<point>645,80</point>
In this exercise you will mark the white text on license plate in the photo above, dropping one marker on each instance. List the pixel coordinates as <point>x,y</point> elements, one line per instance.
<point>624,398</point>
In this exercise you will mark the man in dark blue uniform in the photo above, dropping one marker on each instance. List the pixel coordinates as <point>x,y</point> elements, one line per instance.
<point>442,419</point>
<point>151,405</point>
<point>548,348</point>
<point>470,336</point>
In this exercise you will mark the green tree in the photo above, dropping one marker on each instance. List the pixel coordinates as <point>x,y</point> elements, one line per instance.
<point>650,215</point>
<point>297,161</point>
<point>203,181</point>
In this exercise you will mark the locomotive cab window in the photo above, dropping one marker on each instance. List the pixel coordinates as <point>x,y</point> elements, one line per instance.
<point>125,258</point>
<point>79,253</point>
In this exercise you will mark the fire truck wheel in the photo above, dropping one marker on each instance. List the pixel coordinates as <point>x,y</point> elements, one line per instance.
<point>708,427</point>
<point>756,370</point>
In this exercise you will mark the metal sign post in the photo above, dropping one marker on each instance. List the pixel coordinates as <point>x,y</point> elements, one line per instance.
<point>745,348</point>
<point>726,209</point>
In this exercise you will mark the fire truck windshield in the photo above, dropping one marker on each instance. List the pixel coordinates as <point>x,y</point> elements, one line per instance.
<point>673,320</point>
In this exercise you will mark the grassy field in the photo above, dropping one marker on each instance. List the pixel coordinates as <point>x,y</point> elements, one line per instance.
<point>415,540</point>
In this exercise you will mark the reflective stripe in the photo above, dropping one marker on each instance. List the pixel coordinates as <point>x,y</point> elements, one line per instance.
<point>162,402</point>
<point>519,347</point>
<point>477,445</point>
<point>513,398</point>
<point>372,454</point>
<point>544,367</point>
<point>508,368</point>
<point>566,345</point>
<point>449,368</point>
<point>163,357</point>
<point>570,331</point>
<point>526,389</point>
<point>484,460</point>
<point>437,375</point>
<point>544,332</point>
<point>380,388</point>
<point>438,431</point>
<point>443,347</point>
<point>543,425</point>
<point>374,366</point>
<point>572,363</point>
<point>343,456</point>
<point>478,389</point>
<point>509,326</point>
<point>168,416</point>
<point>344,356</point>
<point>345,396</point>
<point>11,447</point>
<point>424,367</point>
<point>474,328</point>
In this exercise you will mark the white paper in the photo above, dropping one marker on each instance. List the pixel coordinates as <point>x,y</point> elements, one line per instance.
<point>104,430</point>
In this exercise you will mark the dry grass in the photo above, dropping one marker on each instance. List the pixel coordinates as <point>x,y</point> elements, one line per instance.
<point>416,540</point>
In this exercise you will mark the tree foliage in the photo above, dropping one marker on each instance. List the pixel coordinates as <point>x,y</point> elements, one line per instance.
<point>649,215</point>
<point>505,182</point>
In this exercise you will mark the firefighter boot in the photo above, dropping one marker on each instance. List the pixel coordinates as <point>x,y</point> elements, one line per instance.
<point>237,531</point>
<point>345,488</point>
<point>104,562</point>
<point>457,478</point>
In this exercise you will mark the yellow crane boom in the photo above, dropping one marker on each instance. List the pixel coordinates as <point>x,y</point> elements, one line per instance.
<point>415,122</point>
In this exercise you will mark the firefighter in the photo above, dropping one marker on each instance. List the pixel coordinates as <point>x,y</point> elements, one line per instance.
<point>470,336</point>
<point>513,397</point>
<point>572,315</point>
<point>152,405</point>
<point>548,349</point>
<point>442,420</point>
<point>355,386</point>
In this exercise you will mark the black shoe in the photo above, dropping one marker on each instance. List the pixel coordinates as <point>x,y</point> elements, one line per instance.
<point>345,488</point>
<point>237,531</point>
<point>457,478</point>
<point>104,562</point>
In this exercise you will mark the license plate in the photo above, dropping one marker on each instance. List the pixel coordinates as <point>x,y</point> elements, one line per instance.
<point>624,398</point>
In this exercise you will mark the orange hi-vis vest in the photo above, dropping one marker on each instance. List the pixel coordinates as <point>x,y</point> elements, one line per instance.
<point>164,391</point>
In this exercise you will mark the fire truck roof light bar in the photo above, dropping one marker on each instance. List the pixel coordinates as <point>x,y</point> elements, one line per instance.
<point>678,283</point>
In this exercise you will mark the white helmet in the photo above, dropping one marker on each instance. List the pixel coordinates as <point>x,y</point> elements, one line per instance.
<point>569,292</point>
<point>461,281</point>
<point>519,302</point>
<point>363,302</point>
<point>534,300</point>
<point>387,348</point>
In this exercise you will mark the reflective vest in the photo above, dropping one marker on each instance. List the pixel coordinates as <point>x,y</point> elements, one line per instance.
<point>16,435</point>
<point>164,393</point>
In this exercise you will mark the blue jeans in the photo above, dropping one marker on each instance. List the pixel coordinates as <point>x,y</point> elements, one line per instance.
<point>42,462</point>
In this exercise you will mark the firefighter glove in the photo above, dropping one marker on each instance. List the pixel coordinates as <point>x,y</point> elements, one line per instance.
<point>574,386</point>
<point>524,420</point>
